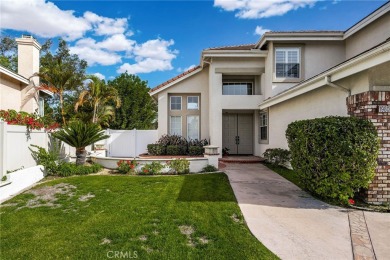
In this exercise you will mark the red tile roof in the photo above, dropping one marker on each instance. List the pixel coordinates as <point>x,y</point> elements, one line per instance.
<point>174,79</point>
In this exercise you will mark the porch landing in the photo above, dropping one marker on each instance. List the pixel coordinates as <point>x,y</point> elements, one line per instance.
<point>241,159</point>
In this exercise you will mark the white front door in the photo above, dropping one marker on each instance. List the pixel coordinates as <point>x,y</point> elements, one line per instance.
<point>237,133</point>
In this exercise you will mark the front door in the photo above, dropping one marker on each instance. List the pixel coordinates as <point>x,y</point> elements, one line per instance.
<point>237,133</point>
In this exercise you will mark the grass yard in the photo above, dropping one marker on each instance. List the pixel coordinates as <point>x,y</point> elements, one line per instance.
<point>100,217</point>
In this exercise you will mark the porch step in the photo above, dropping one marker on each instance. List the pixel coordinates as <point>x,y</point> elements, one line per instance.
<point>241,159</point>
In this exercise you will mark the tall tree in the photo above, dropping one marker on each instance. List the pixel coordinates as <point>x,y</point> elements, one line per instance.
<point>8,53</point>
<point>138,110</point>
<point>61,72</point>
<point>97,94</point>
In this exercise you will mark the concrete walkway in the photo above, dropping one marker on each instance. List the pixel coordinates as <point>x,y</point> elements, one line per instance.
<point>294,225</point>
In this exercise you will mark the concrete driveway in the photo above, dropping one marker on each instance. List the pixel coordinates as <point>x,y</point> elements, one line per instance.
<point>294,225</point>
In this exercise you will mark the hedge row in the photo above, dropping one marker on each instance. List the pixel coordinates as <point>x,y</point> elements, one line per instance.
<point>333,156</point>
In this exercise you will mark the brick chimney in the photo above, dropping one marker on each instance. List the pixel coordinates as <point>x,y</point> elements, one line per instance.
<point>28,57</point>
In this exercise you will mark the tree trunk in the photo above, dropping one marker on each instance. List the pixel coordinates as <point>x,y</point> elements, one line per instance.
<point>81,154</point>
<point>62,108</point>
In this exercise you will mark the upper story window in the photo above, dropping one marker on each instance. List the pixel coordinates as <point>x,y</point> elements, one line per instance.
<point>193,102</point>
<point>287,62</point>
<point>175,103</point>
<point>237,88</point>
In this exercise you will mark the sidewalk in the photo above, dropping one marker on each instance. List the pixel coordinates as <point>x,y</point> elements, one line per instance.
<point>294,225</point>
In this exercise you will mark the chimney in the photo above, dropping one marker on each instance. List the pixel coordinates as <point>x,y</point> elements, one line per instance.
<point>28,57</point>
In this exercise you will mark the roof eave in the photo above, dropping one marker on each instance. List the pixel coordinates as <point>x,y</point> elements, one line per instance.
<point>14,75</point>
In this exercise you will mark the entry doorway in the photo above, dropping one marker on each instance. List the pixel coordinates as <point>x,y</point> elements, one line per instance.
<point>237,133</point>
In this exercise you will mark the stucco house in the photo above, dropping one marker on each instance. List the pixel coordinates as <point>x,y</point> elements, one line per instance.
<point>243,97</point>
<point>18,91</point>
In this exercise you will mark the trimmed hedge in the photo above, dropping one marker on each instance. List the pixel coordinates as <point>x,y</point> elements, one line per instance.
<point>333,156</point>
<point>195,150</point>
<point>156,149</point>
<point>176,149</point>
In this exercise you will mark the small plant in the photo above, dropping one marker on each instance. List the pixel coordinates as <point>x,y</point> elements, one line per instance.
<point>180,166</point>
<point>166,140</point>
<point>4,178</point>
<point>195,150</point>
<point>151,168</point>
<point>176,150</point>
<point>225,151</point>
<point>156,149</point>
<point>127,166</point>
<point>209,168</point>
<point>66,169</point>
<point>277,156</point>
<point>15,170</point>
<point>49,159</point>
<point>197,142</point>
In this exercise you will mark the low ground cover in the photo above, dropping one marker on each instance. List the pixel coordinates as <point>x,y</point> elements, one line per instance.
<point>94,217</point>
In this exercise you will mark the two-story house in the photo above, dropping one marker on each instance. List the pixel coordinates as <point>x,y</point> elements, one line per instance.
<point>18,91</point>
<point>243,97</point>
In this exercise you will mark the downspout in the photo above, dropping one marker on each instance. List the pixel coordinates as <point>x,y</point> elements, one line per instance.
<point>333,85</point>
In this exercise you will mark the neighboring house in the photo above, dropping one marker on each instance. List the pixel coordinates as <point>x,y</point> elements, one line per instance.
<point>18,91</point>
<point>243,97</point>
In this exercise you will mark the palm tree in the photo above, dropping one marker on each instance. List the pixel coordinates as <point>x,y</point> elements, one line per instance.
<point>97,95</point>
<point>79,135</point>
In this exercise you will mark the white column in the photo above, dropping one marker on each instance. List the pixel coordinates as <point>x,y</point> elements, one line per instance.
<point>215,109</point>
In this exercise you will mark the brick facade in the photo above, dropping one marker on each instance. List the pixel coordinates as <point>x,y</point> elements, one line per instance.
<point>366,105</point>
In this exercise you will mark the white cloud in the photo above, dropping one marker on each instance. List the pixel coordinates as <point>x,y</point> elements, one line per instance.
<point>90,51</point>
<point>99,75</point>
<point>106,26</point>
<point>153,55</point>
<point>254,9</point>
<point>117,42</point>
<point>45,19</point>
<point>260,30</point>
<point>41,18</point>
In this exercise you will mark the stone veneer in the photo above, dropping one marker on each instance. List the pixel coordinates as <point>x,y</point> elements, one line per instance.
<point>366,105</point>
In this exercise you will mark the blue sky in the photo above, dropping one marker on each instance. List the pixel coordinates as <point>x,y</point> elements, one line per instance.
<point>159,39</point>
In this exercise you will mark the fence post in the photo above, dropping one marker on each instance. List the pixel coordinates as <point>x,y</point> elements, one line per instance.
<point>135,143</point>
<point>3,148</point>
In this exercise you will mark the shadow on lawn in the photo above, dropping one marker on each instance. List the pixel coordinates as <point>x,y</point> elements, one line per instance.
<point>206,188</point>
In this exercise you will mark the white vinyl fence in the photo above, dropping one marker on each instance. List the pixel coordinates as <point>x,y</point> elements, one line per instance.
<point>129,143</point>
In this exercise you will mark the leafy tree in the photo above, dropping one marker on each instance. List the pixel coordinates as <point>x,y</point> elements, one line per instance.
<point>138,110</point>
<point>79,135</point>
<point>8,53</point>
<point>96,95</point>
<point>61,73</point>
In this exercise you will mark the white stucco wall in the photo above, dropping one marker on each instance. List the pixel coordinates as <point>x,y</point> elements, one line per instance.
<point>10,93</point>
<point>318,103</point>
<point>371,35</point>
<point>197,83</point>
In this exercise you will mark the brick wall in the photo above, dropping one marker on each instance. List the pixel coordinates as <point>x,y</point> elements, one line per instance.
<point>366,105</point>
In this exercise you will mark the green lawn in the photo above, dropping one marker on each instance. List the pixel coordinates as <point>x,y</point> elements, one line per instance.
<point>96,217</point>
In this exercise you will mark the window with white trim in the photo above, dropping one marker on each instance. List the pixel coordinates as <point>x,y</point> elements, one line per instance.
<point>41,106</point>
<point>175,103</point>
<point>263,129</point>
<point>287,62</point>
<point>175,125</point>
<point>192,127</point>
<point>193,102</point>
<point>237,88</point>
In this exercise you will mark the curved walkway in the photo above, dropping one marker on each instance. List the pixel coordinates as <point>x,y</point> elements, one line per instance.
<point>294,225</point>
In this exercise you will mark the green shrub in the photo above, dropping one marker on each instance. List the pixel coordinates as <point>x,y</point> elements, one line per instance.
<point>66,169</point>
<point>176,150</point>
<point>127,166</point>
<point>195,150</point>
<point>49,159</point>
<point>209,168</point>
<point>156,149</point>
<point>277,156</point>
<point>166,140</point>
<point>333,156</point>
<point>180,166</point>
<point>197,142</point>
<point>151,168</point>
